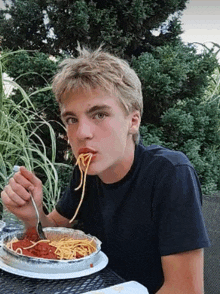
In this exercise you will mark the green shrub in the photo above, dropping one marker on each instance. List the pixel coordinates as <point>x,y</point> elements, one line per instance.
<point>193,127</point>
<point>169,74</point>
<point>151,135</point>
<point>21,144</point>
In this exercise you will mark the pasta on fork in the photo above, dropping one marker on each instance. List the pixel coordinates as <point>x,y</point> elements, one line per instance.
<point>83,159</point>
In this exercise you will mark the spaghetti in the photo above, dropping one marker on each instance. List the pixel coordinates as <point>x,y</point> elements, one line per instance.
<point>73,249</point>
<point>83,159</point>
<point>63,249</point>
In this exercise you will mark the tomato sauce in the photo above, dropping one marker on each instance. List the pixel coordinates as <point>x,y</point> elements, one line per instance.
<point>42,249</point>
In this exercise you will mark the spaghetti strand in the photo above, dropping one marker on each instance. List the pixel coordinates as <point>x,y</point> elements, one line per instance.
<point>82,159</point>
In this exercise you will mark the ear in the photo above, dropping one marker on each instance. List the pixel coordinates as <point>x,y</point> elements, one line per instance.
<point>135,120</point>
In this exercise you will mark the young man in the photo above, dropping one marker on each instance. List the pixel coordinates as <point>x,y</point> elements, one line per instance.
<point>144,204</point>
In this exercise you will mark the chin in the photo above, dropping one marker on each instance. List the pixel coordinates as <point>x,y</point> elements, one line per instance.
<point>95,170</point>
<point>92,171</point>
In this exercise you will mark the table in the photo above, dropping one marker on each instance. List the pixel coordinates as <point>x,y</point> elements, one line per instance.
<point>14,284</point>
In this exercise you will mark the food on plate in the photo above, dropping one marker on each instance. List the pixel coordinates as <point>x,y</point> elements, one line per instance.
<point>65,248</point>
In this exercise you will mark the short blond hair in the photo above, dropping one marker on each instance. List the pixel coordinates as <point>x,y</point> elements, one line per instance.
<point>99,69</point>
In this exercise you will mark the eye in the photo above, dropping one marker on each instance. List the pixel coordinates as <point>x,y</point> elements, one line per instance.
<point>70,120</point>
<point>100,115</point>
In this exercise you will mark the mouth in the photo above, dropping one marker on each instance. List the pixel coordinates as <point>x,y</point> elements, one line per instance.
<point>86,150</point>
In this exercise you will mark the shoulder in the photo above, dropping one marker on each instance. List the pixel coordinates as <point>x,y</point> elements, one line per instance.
<point>161,155</point>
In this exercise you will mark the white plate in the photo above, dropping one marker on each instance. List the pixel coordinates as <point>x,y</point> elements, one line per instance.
<point>99,265</point>
<point>124,288</point>
<point>2,225</point>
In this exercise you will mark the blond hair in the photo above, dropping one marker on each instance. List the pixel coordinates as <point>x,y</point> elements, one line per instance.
<point>99,69</point>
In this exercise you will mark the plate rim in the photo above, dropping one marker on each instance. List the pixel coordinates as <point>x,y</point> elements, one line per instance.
<point>101,264</point>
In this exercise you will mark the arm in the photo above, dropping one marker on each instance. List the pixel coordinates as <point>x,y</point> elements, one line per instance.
<point>54,219</point>
<point>183,273</point>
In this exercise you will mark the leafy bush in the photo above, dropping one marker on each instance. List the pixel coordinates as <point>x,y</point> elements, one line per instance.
<point>169,74</point>
<point>151,135</point>
<point>33,71</point>
<point>20,143</point>
<point>193,127</point>
<point>201,140</point>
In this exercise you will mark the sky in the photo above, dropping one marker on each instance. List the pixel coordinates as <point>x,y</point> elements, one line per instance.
<point>201,22</point>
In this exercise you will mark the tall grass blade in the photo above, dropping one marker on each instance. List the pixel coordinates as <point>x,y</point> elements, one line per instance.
<point>21,144</point>
<point>1,92</point>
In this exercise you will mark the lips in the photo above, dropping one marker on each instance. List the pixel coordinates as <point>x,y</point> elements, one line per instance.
<point>86,150</point>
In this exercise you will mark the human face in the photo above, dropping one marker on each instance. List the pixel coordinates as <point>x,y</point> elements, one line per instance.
<point>96,122</point>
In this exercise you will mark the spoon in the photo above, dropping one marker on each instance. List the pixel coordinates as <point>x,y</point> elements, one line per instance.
<point>39,227</point>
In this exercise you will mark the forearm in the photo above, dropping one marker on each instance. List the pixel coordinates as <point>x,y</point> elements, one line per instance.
<point>46,220</point>
<point>169,289</point>
<point>165,290</point>
<point>54,219</point>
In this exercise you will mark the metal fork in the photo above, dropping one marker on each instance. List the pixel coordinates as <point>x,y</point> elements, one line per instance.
<point>39,225</point>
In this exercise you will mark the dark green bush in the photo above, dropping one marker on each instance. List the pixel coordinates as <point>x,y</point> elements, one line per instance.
<point>169,74</point>
<point>193,127</point>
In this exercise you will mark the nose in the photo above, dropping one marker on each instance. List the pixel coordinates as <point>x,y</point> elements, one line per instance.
<point>84,130</point>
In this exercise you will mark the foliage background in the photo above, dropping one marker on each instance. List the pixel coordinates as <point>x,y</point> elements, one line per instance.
<point>180,86</point>
<point>20,143</point>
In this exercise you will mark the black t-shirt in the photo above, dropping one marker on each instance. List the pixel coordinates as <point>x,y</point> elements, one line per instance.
<point>155,210</point>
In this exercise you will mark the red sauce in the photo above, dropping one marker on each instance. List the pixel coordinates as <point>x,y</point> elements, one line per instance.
<point>32,235</point>
<point>42,249</point>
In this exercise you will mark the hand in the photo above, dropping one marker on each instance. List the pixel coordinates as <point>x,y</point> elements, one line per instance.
<point>16,196</point>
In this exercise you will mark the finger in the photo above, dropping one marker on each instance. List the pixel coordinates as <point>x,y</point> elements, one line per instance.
<point>19,180</point>
<point>19,187</point>
<point>11,199</point>
<point>30,176</point>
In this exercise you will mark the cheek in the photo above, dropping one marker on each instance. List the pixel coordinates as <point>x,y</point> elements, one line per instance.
<point>71,132</point>
<point>115,138</point>
<point>121,131</point>
<point>71,140</point>
<point>118,128</point>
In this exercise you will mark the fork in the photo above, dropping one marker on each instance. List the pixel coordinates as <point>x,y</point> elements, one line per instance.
<point>39,227</point>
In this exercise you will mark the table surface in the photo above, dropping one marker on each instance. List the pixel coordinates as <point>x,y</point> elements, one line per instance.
<point>15,284</point>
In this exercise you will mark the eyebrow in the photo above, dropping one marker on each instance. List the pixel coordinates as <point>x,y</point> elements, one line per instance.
<point>98,108</point>
<point>89,111</point>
